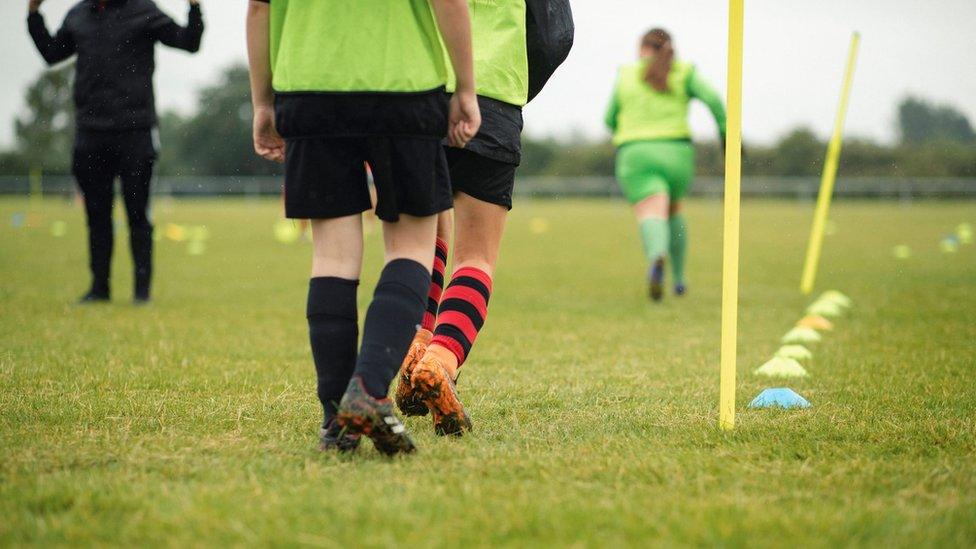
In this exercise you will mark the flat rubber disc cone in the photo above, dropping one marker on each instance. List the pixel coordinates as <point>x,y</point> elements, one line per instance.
<point>801,336</point>
<point>781,367</point>
<point>816,322</point>
<point>796,352</point>
<point>827,309</point>
<point>780,397</point>
<point>174,232</point>
<point>837,297</point>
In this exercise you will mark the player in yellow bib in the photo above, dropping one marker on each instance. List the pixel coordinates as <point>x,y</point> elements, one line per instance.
<point>648,114</point>
<point>517,46</point>
<point>336,84</point>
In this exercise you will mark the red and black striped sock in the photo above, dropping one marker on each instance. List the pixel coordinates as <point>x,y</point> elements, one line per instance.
<point>436,285</point>
<point>462,312</point>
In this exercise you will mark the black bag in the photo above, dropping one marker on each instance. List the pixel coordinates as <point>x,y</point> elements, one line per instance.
<point>549,36</point>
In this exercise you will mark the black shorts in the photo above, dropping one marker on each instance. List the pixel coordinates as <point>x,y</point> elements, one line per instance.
<point>481,177</point>
<point>330,137</point>
<point>326,177</point>
<point>500,135</point>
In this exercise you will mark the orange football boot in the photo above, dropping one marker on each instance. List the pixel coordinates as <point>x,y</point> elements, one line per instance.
<point>407,399</point>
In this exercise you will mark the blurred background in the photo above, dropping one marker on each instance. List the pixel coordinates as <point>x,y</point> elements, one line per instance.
<point>909,130</point>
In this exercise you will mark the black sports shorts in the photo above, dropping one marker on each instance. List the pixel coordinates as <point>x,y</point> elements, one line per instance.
<point>331,136</point>
<point>481,177</point>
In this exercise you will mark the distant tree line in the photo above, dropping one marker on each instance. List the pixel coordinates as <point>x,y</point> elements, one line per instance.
<point>934,141</point>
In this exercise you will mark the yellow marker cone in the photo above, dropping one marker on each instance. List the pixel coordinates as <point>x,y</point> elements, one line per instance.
<point>801,336</point>
<point>59,229</point>
<point>176,233</point>
<point>965,233</point>
<point>285,231</point>
<point>829,175</point>
<point>827,309</point>
<point>779,366</point>
<point>198,232</point>
<point>796,352</point>
<point>730,238</point>
<point>539,225</point>
<point>836,297</point>
<point>196,247</point>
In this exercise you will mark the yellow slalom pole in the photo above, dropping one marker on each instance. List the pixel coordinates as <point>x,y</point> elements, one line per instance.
<point>829,175</point>
<point>35,190</point>
<point>730,251</point>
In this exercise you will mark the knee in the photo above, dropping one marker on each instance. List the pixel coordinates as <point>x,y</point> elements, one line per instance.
<point>653,207</point>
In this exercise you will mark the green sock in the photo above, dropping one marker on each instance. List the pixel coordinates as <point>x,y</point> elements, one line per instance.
<point>679,247</point>
<point>655,236</point>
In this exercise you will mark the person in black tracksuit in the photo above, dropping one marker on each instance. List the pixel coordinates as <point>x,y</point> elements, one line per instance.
<point>116,115</point>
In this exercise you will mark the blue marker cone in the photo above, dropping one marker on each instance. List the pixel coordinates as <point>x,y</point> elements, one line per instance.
<point>780,397</point>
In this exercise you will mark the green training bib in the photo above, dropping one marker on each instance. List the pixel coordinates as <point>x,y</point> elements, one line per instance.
<point>355,46</point>
<point>501,59</point>
<point>645,113</point>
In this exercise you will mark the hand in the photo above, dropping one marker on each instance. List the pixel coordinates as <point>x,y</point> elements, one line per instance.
<point>192,2</point>
<point>267,142</point>
<point>34,5</point>
<point>464,118</point>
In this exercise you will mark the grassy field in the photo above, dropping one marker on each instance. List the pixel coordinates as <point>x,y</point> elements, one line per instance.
<point>192,421</point>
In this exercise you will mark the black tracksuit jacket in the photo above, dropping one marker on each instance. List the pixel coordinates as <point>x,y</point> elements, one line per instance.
<point>115,43</point>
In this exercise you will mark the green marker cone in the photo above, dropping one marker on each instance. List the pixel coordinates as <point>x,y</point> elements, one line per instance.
<point>796,352</point>
<point>827,309</point>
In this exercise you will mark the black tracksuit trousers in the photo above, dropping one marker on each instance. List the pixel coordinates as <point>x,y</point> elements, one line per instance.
<point>99,158</point>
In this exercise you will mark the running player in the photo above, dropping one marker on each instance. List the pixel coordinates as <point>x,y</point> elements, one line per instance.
<point>655,164</point>
<point>518,45</point>
<point>336,84</point>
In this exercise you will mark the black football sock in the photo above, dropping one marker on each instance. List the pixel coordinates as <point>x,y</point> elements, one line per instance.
<point>391,322</point>
<point>333,330</point>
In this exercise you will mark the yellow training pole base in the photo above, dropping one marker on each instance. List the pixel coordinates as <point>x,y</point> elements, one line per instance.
<point>730,250</point>
<point>829,175</point>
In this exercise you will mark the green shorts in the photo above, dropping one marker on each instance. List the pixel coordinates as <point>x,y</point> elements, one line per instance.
<point>646,168</point>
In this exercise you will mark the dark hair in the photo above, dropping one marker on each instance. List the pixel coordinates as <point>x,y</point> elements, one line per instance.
<point>659,40</point>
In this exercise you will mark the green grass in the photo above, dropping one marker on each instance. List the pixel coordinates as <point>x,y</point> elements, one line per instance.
<point>192,422</point>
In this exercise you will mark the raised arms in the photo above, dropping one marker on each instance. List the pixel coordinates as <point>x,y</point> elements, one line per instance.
<point>164,29</point>
<point>53,49</point>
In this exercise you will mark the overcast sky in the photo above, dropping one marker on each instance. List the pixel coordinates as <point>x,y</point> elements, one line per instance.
<point>794,57</point>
